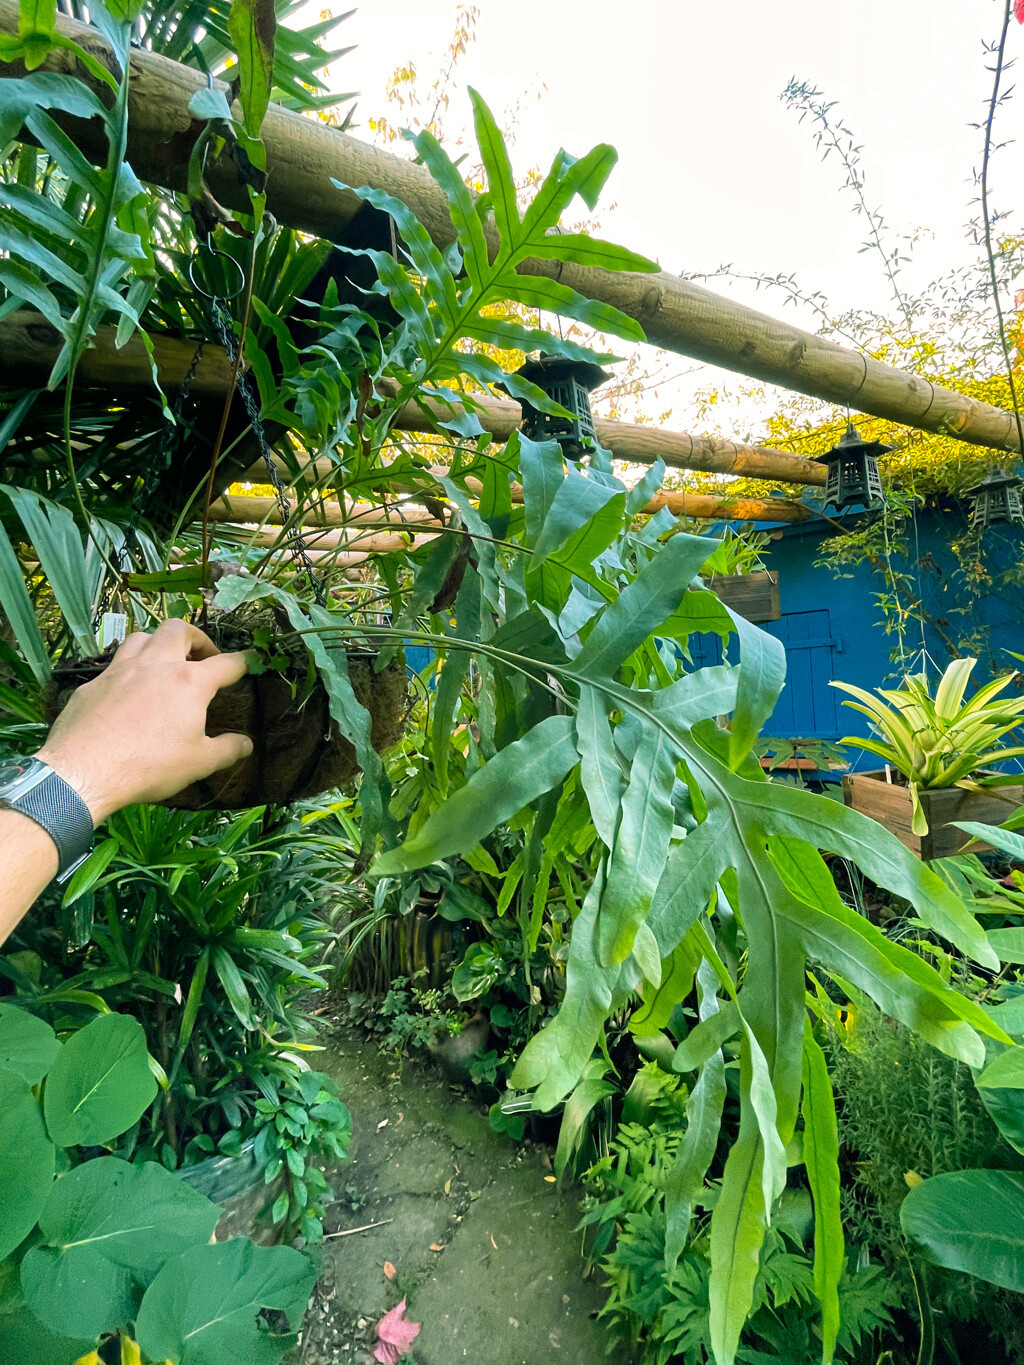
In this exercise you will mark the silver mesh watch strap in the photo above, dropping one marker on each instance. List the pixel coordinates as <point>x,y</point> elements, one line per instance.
<point>59,809</point>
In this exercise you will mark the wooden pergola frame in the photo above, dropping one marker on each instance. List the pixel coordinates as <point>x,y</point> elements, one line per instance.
<point>304,154</point>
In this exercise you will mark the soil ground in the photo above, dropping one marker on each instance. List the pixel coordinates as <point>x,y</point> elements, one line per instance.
<point>479,1237</point>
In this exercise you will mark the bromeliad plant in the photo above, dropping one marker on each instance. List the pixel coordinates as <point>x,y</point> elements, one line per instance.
<point>941,741</point>
<point>736,554</point>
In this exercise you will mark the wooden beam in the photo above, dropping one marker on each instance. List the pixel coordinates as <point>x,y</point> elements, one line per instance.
<point>304,154</point>
<point>29,346</point>
<point>261,510</point>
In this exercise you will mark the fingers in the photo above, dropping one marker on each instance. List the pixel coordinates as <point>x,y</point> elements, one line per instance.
<point>176,640</point>
<point>225,751</point>
<point>221,670</point>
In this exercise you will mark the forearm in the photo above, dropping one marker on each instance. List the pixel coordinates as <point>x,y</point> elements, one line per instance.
<point>28,862</point>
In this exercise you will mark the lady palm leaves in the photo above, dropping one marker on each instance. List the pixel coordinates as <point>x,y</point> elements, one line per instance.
<point>941,741</point>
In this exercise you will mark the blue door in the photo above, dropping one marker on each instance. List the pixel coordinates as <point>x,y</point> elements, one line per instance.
<point>807,707</point>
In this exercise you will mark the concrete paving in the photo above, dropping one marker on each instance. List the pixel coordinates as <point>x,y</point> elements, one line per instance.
<point>478,1237</point>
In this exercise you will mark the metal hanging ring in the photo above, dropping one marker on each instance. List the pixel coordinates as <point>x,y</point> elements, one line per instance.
<point>224,295</point>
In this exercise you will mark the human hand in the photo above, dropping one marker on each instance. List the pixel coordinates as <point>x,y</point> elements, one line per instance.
<point>138,731</point>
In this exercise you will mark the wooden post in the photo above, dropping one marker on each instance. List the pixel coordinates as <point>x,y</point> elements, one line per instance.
<point>304,155</point>
<point>29,346</point>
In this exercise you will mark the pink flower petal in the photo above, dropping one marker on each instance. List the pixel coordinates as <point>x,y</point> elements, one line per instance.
<point>396,1335</point>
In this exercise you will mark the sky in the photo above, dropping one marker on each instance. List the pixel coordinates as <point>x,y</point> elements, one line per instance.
<point>713,168</point>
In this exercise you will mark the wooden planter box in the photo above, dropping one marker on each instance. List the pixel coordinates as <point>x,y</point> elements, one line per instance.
<point>889,804</point>
<point>754,596</point>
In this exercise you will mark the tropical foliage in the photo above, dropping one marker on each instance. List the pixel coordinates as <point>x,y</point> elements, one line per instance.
<point>939,741</point>
<point>614,856</point>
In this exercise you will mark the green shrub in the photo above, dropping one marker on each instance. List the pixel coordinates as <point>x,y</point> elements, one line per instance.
<point>906,1110</point>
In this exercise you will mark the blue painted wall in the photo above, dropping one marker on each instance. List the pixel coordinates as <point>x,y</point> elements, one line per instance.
<point>831,624</point>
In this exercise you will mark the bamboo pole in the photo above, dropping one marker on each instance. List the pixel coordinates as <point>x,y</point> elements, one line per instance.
<point>263,510</point>
<point>29,346</point>
<point>304,155</point>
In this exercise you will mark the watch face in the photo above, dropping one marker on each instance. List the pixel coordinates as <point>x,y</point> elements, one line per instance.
<point>13,770</point>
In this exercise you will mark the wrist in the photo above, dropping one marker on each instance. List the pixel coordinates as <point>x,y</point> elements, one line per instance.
<point>90,786</point>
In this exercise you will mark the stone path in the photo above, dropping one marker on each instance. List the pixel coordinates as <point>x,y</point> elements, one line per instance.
<point>481,1242</point>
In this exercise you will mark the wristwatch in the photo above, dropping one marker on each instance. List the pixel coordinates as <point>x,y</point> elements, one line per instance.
<point>32,787</point>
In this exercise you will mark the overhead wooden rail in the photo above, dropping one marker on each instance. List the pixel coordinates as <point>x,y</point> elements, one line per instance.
<point>29,346</point>
<point>303,155</point>
<point>253,508</point>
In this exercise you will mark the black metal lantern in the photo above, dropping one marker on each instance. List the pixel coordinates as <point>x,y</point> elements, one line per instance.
<point>996,498</point>
<point>853,477</point>
<point>569,383</point>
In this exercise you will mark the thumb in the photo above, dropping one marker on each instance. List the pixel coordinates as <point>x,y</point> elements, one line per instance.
<point>224,751</point>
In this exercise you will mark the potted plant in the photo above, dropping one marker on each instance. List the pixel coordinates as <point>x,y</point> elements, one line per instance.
<point>938,753</point>
<point>736,574</point>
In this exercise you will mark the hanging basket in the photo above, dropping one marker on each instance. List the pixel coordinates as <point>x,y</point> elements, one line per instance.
<point>754,596</point>
<point>298,750</point>
<point>889,803</point>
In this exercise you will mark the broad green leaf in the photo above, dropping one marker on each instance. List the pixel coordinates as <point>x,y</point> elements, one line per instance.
<point>582,521</point>
<point>971,1221</point>
<point>641,846</point>
<point>677,972</point>
<point>837,829</point>
<point>554,1059</point>
<point>511,780</point>
<point>1003,839</point>
<point>26,1161</point>
<point>1005,1072</point>
<point>252,26</point>
<point>591,1090</point>
<point>477,972</point>
<point>28,1046</point>
<point>24,1339</point>
<point>17,604</point>
<point>202,1307</point>
<point>900,982</point>
<point>700,1140</point>
<point>762,675</point>
<point>738,1226</point>
<point>108,1226</point>
<point>543,475</point>
<point>35,29</point>
<point>641,607</point>
<point>821,1161</point>
<point>100,1082</point>
<point>691,873</point>
<point>600,767</point>
<point>58,543</point>
<point>1007,944</point>
<point>460,205</point>
<point>707,1037</point>
<point>538,292</point>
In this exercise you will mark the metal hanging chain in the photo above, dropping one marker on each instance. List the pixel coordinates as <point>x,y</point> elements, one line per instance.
<point>296,545</point>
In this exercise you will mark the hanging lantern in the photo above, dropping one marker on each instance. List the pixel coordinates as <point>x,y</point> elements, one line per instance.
<point>569,383</point>
<point>853,477</point>
<point>996,498</point>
